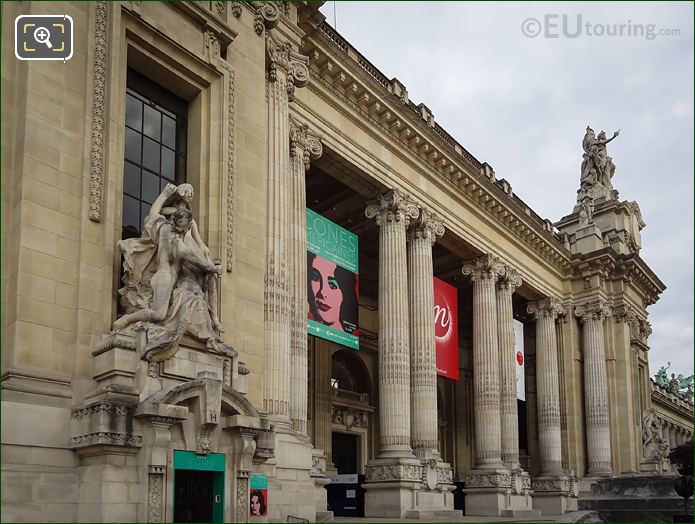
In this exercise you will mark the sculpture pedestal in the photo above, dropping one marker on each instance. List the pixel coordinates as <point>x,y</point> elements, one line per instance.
<point>499,493</point>
<point>391,487</point>
<point>555,495</point>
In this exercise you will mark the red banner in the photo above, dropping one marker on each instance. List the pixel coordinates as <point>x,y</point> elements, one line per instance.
<point>446,333</point>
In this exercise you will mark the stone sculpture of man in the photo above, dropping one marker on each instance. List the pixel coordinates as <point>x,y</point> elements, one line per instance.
<point>166,276</point>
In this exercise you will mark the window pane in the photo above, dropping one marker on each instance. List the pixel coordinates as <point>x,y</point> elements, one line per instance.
<point>168,163</point>
<point>131,213</point>
<point>150,186</point>
<point>144,209</point>
<point>132,145</point>
<point>169,131</point>
<point>150,154</point>
<point>131,180</point>
<point>152,122</point>
<point>133,112</point>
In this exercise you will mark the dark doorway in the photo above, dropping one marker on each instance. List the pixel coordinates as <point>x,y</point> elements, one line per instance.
<point>345,449</point>
<point>193,496</point>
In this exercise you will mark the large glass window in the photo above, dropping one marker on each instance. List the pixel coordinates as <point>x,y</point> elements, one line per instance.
<point>155,148</point>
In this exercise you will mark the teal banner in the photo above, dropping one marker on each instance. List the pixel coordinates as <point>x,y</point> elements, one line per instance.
<point>258,481</point>
<point>332,281</point>
<point>190,460</point>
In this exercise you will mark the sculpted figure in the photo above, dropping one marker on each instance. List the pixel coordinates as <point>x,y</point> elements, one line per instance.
<point>653,444</point>
<point>169,280</point>
<point>673,384</point>
<point>597,167</point>
<point>661,377</point>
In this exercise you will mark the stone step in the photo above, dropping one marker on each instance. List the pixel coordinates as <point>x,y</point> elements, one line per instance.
<point>530,514</point>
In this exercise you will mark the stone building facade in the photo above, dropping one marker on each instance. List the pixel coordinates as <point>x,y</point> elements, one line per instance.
<point>265,110</point>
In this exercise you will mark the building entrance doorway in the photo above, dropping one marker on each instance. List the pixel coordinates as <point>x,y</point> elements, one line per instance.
<point>193,497</point>
<point>198,487</point>
<point>345,453</point>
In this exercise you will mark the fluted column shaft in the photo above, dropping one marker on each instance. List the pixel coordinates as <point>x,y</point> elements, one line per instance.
<point>303,148</point>
<point>546,312</point>
<point>505,332</point>
<point>598,435</point>
<point>423,365</point>
<point>393,213</point>
<point>484,272</point>
<point>286,69</point>
<point>321,415</point>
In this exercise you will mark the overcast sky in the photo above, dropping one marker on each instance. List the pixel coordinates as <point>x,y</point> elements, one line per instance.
<point>522,104</point>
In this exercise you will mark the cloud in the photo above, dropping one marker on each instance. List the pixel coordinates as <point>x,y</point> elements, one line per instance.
<point>521,104</point>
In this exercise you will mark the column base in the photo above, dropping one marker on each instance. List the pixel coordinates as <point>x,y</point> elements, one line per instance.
<point>555,495</point>
<point>499,493</point>
<point>391,486</point>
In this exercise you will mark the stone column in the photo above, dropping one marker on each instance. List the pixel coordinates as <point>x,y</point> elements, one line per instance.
<point>507,357</point>
<point>286,70</point>
<point>395,475</point>
<point>484,271</point>
<point>304,147</point>
<point>423,367</point>
<point>321,416</point>
<point>545,312</point>
<point>393,213</point>
<point>598,435</point>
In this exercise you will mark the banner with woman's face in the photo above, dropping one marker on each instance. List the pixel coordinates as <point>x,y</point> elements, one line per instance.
<point>332,281</point>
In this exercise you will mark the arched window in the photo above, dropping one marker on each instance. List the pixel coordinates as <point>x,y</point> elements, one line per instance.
<point>349,373</point>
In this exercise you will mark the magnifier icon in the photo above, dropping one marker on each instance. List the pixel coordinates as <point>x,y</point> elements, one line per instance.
<point>42,36</point>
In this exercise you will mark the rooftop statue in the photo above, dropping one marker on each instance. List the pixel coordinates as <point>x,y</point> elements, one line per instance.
<point>169,282</point>
<point>597,169</point>
<point>661,377</point>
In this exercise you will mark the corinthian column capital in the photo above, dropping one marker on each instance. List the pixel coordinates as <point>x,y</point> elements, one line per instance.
<point>484,267</point>
<point>304,143</point>
<point>597,309</point>
<point>510,281</point>
<point>393,206</point>
<point>427,225</point>
<point>281,58</point>
<point>549,307</point>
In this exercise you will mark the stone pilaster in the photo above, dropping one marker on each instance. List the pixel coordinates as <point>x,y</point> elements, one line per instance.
<point>423,367</point>
<point>395,475</point>
<point>545,312</point>
<point>484,271</point>
<point>505,334</point>
<point>321,415</point>
<point>393,213</point>
<point>304,146</point>
<point>598,436</point>
<point>286,69</point>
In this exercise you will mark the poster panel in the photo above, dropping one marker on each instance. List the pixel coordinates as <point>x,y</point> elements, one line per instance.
<point>446,329</point>
<point>258,495</point>
<point>519,359</point>
<point>332,281</point>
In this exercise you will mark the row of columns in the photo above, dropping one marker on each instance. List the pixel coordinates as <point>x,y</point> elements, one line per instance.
<point>675,435</point>
<point>407,360</point>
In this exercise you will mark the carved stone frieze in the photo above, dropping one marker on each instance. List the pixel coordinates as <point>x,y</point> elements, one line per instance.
<point>349,417</point>
<point>106,438</point>
<point>154,497</point>
<point>387,472</point>
<point>488,480</point>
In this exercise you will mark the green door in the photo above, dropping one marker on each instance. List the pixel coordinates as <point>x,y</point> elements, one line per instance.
<point>198,487</point>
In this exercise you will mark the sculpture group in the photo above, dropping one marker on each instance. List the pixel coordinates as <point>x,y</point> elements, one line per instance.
<point>169,282</point>
<point>596,172</point>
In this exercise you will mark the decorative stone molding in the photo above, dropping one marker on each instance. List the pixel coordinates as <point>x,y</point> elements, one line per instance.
<point>393,206</point>
<point>102,407</point>
<point>349,417</point>
<point>105,438</point>
<point>242,497</point>
<point>236,9</point>
<point>303,143</point>
<point>96,152</point>
<point>267,16</point>
<point>549,307</point>
<point>318,466</point>
<point>155,484</point>
<point>293,65</point>
<point>212,46</point>
<point>391,472</point>
<point>204,438</point>
<point>485,267</point>
<point>563,484</point>
<point>426,225</point>
<point>597,309</point>
<point>488,480</point>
